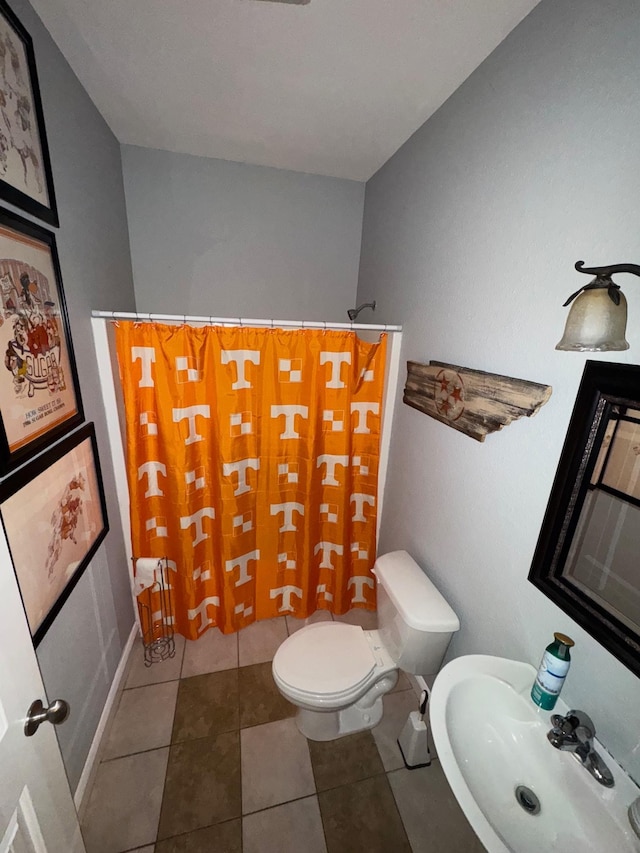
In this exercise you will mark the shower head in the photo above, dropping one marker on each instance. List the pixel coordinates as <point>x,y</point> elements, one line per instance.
<point>353,312</point>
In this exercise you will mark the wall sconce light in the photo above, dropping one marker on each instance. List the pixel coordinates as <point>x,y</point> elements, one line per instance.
<point>597,320</point>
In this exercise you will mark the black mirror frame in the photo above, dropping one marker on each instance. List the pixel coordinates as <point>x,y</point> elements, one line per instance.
<point>603,385</point>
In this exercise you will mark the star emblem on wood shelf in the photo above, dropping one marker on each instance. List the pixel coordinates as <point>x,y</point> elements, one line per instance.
<point>449,394</point>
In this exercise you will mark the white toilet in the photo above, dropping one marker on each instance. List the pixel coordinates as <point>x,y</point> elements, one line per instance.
<point>337,674</point>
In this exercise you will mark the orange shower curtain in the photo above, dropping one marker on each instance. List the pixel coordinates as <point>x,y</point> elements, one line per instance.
<point>252,462</point>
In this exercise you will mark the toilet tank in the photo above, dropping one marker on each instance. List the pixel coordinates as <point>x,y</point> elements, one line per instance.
<point>414,620</point>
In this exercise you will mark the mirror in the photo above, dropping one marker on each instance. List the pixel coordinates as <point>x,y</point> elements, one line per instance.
<point>587,559</point>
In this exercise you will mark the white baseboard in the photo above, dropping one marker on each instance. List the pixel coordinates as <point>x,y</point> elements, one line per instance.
<point>89,765</point>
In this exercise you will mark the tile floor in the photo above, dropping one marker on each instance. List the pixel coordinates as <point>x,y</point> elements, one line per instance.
<point>203,756</point>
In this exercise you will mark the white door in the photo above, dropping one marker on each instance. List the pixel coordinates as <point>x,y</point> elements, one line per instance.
<point>37,814</point>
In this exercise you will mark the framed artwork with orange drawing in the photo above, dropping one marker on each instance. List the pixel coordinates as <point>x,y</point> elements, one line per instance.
<point>39,391</point>
<point>54,517</point>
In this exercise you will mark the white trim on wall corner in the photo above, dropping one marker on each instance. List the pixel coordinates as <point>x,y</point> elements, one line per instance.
<point>390,393</point>
<point>90,765</point>
<point>108,387</point>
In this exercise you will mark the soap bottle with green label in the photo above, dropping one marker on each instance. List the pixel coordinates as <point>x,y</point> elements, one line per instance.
<point>552,672</point>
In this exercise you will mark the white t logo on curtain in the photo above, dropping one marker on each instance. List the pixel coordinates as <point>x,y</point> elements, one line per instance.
<point>289,413</point>
<point>152,469</point>
<point>240,468</point>
<point>240,357</point>
<point>336,360</point>
<point>191,413</point>
<point>147,356</point>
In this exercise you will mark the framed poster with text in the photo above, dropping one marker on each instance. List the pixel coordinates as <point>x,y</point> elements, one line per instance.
<point>39,392</point>
<point>25,168</point>
<point>54,517</point>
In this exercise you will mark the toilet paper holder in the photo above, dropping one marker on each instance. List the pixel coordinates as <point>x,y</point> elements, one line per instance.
<point>155,608</point>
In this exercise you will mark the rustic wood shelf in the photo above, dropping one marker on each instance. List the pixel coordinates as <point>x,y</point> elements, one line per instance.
<point>471,401</point>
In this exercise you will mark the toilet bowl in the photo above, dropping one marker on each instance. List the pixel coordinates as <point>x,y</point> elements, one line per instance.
<point>336,674</point>
<point>333,668</point>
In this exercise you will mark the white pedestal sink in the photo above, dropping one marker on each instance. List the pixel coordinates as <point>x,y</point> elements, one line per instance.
<point>491,739</point>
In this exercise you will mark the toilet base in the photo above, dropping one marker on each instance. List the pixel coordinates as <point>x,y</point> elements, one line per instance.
<point>331,725</point>
<point>364,714</point>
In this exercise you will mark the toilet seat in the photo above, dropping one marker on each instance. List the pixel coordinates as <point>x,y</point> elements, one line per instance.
<point>329,664</point>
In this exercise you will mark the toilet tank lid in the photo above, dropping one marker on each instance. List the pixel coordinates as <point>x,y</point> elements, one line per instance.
<point>415,597</point>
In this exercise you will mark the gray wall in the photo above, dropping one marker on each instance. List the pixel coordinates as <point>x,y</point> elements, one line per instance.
<point>79,654</point>
<point>226,239</point>
<point>470,235</point>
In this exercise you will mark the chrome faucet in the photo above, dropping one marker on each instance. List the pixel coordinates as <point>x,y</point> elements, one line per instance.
<point>575,733</point>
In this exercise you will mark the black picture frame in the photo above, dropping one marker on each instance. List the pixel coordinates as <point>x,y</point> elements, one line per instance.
<point>39,390</point>
<point>604,385</point>
<point>26,179</point>
<point>63,494</point>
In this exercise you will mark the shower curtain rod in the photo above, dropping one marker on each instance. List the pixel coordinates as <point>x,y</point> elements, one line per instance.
<point>242,321</point>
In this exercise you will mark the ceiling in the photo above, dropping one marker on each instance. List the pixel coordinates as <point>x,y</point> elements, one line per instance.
<point>332,88</point>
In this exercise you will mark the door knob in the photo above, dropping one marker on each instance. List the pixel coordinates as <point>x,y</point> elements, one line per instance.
<point>56,713</point>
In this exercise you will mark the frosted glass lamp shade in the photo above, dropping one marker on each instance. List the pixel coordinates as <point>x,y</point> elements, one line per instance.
<point>595,323</point>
